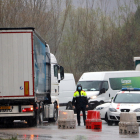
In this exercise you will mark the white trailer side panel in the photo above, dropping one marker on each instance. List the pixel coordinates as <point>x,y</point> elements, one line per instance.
<point>15,63</point>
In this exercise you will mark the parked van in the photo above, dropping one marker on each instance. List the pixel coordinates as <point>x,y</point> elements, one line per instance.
<point>67,87</point>
<point>102,86</point>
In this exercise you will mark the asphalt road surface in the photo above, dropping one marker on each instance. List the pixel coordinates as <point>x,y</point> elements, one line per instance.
<point>50,131</point>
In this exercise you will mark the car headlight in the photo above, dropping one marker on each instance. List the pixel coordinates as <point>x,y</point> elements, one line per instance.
<point>93,97</point>
<point>99,108</point>
<point>137,110</point>
<point>112,110</point>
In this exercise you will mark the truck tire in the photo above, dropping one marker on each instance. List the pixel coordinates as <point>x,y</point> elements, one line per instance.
<point>9,122</point>
<point>2,120</point>
<point>32,121</point>
<point>37,119</point>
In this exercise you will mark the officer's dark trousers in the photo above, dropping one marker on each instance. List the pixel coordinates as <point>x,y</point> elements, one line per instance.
<point>78,114</point>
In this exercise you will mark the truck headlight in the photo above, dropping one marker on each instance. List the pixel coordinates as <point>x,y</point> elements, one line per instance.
<point>99,108</point>
<point>93,97</point>
<point>137,110</point>
<point>112,110</point>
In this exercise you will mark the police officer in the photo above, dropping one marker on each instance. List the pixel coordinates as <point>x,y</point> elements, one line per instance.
<point>80,102</point>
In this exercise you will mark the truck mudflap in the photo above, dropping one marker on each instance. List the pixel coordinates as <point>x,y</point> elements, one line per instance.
<point>12,110</point>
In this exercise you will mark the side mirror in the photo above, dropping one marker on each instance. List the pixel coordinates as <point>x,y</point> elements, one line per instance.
<point>102,90</point>
<point>61,72</point>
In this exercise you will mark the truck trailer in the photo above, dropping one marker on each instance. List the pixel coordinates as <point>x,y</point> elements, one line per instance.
<point>28,77</point>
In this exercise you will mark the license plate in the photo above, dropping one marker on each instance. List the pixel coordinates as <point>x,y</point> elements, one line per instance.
<point>5,107</point>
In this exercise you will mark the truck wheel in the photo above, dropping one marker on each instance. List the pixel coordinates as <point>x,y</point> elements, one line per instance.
<point>10,122</point>
<point>35,120</point>
<point>32,121</point>
<point>69,106</point>
<point>2,121</point>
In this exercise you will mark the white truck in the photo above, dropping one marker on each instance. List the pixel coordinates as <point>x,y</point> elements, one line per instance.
<point>102,86</point>
<point>28,77</point>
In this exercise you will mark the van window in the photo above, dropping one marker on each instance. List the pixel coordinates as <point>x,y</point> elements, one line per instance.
<point>90,85</point>
<point>105,85</point>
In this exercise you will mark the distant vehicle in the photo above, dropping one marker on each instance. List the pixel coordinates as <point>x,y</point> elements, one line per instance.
<point>137,63</point>
<point>67,87</point>
<point>102,86</point>
<point>126,100</point>
<point>28,77</point>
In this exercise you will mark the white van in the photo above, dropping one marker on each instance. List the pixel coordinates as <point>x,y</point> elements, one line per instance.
<point>67,87</point>
<point>102,86</point>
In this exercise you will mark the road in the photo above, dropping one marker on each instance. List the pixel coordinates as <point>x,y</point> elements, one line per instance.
<point>50,131</point>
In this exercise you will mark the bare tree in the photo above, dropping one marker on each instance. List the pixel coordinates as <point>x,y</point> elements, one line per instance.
<point>84,38</point>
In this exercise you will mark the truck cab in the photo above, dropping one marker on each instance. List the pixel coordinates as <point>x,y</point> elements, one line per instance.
<point>52,86</point>
<point>55,78</point>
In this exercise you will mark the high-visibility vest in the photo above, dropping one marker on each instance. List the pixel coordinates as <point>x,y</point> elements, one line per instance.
<point>83,94</point>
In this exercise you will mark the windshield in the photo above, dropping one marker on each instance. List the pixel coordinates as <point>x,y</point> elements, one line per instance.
<point>127,98</point>
<point>90,85</point>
